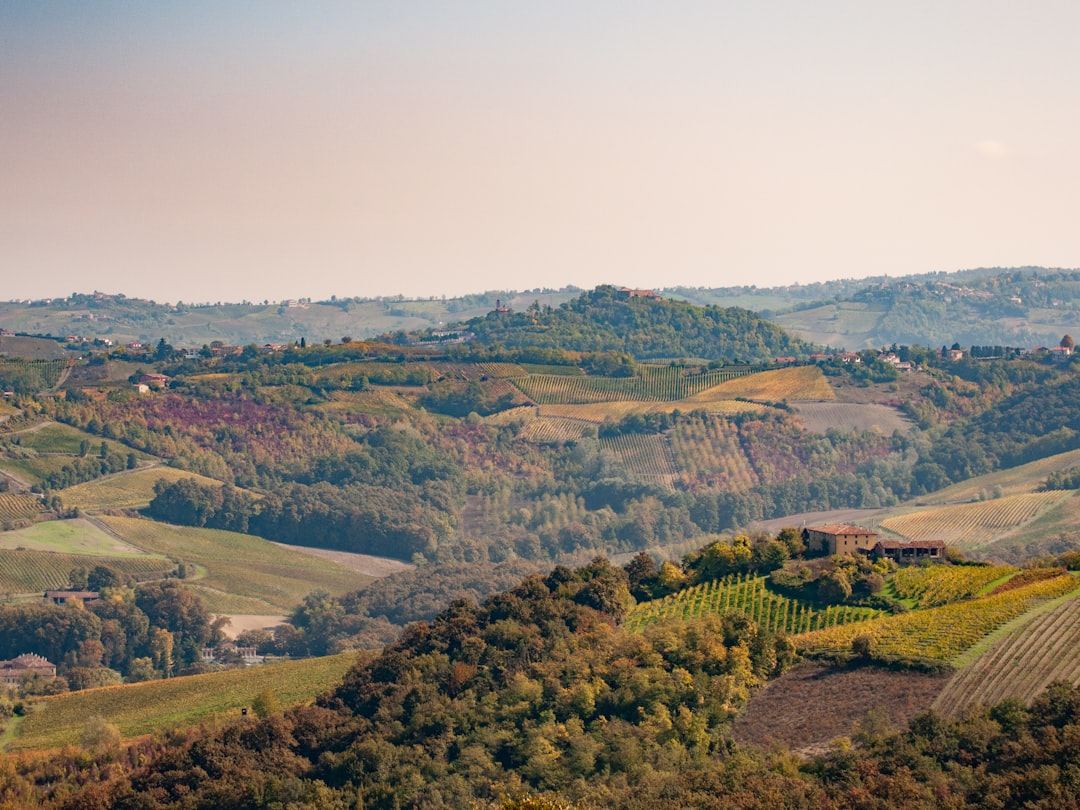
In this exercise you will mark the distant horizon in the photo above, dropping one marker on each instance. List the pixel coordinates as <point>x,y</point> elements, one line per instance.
<point>570,287</point>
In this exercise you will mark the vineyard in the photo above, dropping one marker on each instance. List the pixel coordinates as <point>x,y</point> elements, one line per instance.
<point>35,375</point>
<point>146,708</point>
<point>126,490</point>
<point>935,585</point>
<point>940,633</point>
<point>972,525</point>
<point>647,456</point>
<point>651,384</point>
<point>15,508</point>
<point>708,453</point>
<point>1033,654</point>
<point>34,572</point>
<point>554,430</point>
<point>749,595</point>
<point>239,564</point>
<point>795,383</point>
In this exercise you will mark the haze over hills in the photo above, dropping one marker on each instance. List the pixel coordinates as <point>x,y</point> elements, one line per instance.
<point>1024,307</point>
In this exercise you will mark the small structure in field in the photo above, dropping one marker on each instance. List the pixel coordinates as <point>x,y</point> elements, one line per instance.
<point>839,538</point>
<point>912,552</point>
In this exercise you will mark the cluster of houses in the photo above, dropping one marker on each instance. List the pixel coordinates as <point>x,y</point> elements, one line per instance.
<point>843,538</point>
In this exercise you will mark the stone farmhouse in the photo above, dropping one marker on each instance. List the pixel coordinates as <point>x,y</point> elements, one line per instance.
<point>839,538</point>
<point>26,665</point>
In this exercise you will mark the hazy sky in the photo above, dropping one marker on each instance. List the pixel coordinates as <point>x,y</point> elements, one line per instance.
<point>248,150</point>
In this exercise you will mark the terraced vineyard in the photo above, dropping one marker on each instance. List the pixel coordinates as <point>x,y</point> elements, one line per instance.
<point>748,595</point>
<point>1035,652</point>
<point>648,456</point>
<point>146,708</point>
<point>16,507</point>
<point>935,585</point>
<point>651,384</point>
<point>33,572</point>
<point>971,525</point>
<point>940,633</point>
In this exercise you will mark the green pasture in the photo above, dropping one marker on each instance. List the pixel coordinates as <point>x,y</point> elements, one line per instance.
<point>158,706</point>
<point>78,536</point>
<point>272,579</point>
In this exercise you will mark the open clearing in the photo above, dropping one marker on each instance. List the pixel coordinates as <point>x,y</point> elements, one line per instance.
<point>813,704</point>
<point>78,536</point>
<point>363,563</point>
<point>820,417</point>
<point>127,490</point>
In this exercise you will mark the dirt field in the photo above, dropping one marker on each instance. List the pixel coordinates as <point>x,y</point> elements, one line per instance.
<point>241,622</point>
<point>808,707</point>
<point>819,417</point>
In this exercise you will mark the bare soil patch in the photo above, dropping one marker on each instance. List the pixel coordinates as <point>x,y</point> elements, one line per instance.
<point>363,563</point>
<point>810,706</point>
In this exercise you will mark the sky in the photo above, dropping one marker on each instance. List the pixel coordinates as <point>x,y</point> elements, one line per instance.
<point>226,150</point>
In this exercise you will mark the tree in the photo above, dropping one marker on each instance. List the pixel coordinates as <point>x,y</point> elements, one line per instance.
<point>265,703</point>
<point>1067,343</point>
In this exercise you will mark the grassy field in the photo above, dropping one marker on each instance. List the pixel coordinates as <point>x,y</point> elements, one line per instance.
<point>158,706</point>
<point>795,383</point>
<point>133,489</point>
<point>844,324</point>
<point>1013,481</point>
<point>53,437</point>
<point>820,417</point>
<point>269,578</point>
<point>77,536</point>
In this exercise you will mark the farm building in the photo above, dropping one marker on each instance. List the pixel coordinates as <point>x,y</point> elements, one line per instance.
<point>839,538</point>
<point>76,598</point>
<point>915,551</point>
<point>27,664</point>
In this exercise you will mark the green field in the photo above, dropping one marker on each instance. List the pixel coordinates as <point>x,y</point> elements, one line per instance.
<point>53,437</point>
<point>78,536</point>
<point>158,706</point>
<point>270,578</point>
<point>133,489</point>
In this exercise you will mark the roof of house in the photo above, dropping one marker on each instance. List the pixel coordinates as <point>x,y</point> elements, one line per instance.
<point>839,529</point>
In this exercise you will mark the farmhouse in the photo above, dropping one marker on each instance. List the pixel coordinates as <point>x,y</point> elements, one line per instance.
<point>915,551</point>
<point>625,294</point>
<point>839,538</point>
<point>75,598</point>
<point>26,665</point>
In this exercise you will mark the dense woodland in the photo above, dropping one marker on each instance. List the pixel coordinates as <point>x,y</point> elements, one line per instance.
<point>539,692</point>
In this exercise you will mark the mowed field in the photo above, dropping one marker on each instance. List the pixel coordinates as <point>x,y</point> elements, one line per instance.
<point>133,489</point>
<point>239,573</point>
<point>41,557</point>
<point>157,706</point>
<point>820,417</point>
